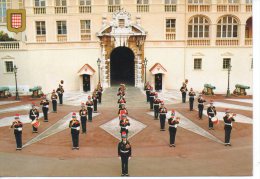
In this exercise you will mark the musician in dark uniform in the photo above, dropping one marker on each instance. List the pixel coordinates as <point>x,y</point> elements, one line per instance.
<point>191,98</point>
<point>54,98</point>
<point>124,123</point>
<point>124,153</point>
<point>99,92</point>
<point>122,110</point>
<point>89,104</point>
<point>162,113</point>
<point>152,95</point>
<point>74,125</point>
<point>201,102</point>
<point>34,115</point>
<point>183,90</point>
<point>60,92</point>
<point>147,89</point>
<point>83,118</point>
<point>17,125</point>
<point>173,123</point>
<point>95,100</point>
<point>228,119</point>
<point>211,111</point>
<point>121,102</point>
<point>45,108</point>
<point>156,105</point>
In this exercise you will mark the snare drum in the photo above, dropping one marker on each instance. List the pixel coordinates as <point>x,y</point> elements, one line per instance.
<point>215,120</point>
<point>35,123</point>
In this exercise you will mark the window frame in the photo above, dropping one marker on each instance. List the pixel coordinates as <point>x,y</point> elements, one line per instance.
<point>224,63</point>
<point>57,26</point>
<point>5,66</point>
<point>195,25</point>
<point>41,30</point>
<point>40,3</point>
<point>3,14</point>
<point>225,29</point>
<point>85,3</point>
<point>142,2</point>
<point>61,3</point>
<point>197,67</point>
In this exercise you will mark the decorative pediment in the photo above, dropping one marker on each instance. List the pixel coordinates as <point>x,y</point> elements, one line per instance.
<point>198,54</point>
<point>158,68</point>
<point>227,54</point>
<point>7,57</point>
<point>86,70</point>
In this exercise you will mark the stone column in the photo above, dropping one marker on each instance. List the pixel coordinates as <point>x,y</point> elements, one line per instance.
<point>103,66</point>
<point>139,71</point>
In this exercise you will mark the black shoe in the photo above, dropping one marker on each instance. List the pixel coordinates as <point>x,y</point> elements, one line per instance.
<point>122,174</point>
<point>173,145</point>
<point>127,174</point>
<point>170,145</point>
<point>77,148</point>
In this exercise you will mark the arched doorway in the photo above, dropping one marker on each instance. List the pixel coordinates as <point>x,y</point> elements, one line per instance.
<point>249,28</point>
<point>122,66</point>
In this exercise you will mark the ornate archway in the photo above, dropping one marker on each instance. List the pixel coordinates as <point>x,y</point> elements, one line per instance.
<point>121,32</point>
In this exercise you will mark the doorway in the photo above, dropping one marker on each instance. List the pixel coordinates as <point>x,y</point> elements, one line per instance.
<point>86,83</point>
<point>158,81</point>
<point>122,66</point>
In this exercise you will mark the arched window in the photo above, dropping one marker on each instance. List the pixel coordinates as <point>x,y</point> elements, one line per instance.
<point>227,27</point>
<point>198,27</point>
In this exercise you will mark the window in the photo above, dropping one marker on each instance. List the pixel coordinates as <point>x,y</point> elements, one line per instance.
<point>61,27</point>
<point>21,5</point>
<point>113,2</point>
<point>85,29</point>
<point>85,2</point>
<point>9,66</point>
<point>198,27</point>
<point>248,1</point>
<point>227,27</point>
<point>226,63</point>
<point>39,3</point>
<point>40,28</point>
<point>61,3</point>
<point>170,29</point>
<point>195,1</point>
<point>233,1</point>
<point>197,63</point>
<point>142,2</point>
<point>170,1</point>
<point>4,5</point>
<point>170,5</point>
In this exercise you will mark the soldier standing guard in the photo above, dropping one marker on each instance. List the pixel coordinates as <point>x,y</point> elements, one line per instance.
<point>124,153</point>
<point>17,125</point>
<point>99,92</point>
<point>95,100</point>
<point>156,103</point>
<point>211,111</point>
<point>191,99</point>
<point>75,127</point>
<point>60,92</point>
<point>54,98</point>
<point>173,124</point>
<point>147,89</point>
<point>152,94</point>
<point>201,105</point>
<point>228,119</point>
<point>162,113</point>
<point>83,118</point>
<point>183,92</point>
<point>45,108</point>
<point>34,115</point>
<point>89,104</point>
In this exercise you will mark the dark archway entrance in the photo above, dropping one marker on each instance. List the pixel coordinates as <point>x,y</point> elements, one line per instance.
<point>122,66</point>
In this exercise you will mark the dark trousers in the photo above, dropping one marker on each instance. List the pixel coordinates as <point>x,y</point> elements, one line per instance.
<point>151,103</point>
<point>162,121</point>
<point>183,94</point>
<point>95,105</point>
<point>34,129</point>
<point>99,97</point>
<point>156,111</point>
<point>210,123</point>
<point>172,131</point>
<point>191,101</point>
<point>124,160</point>
<point>45,113</point>
<point>60,98</point>
<point>89,114</point>
<point>18,138</point>
<point>54,105</point>
<point>83,121</point>
<point>147,96</point>
<point>75,138</point>
<point>227,133</point>
<point>200,110</point>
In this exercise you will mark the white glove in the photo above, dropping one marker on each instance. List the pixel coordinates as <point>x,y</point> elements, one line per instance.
<point>119,158</point>
<point>129,158</point>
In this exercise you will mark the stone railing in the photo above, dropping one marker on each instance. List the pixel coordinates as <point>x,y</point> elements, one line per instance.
<point>199,8</point>
<point>85,37</point>
<point>227,42</point>
<point>39,10</point>
<point>11,45</point>
<point>40,38</point>
<point>62,38</point>
<point>60,10</point>
<point>113,8</point>
<point>248,41</point>
<point>142,8</point>
<point>198,42</point>
<point>170,36</point>
<point>228,8</point>
<point>85,9</point>
<point>170,8</point>
<point>248,8</point>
